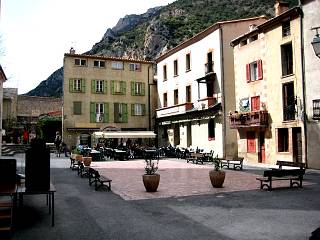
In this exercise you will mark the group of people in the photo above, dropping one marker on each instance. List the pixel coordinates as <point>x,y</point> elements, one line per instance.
<point>60,145</point>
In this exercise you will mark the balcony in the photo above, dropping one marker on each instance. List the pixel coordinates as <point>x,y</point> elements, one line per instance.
<point>173,110</point>
<point>205,103</point>
<point>208,67</point>
<point>249,119</point>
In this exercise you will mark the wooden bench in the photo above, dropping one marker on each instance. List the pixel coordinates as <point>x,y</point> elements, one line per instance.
<point>98,180</point>
<point>195,157</point>
<point>235,163</point>
<point>295,176</point>
<point>290,164</point>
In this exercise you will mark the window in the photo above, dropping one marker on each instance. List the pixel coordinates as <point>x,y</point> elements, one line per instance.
<point>255,103</point>
<point>134,66</point>
<point>286,29</point>
<point>165,73</point>
<point>188,62</point>
<point>76,108</point>
<point>118,87</point>
<point>243,42</point>
<point>175,68</point>
<point>138,109</point>
<point>283,140</point>
<point>254,71</point>
<point>288,101</point>
<point>77,85</point>
<point>120,113</point>
<point>100,64</point>
<point>137,88</point>
<point>99,112</point>
<point>80,62</point>
<point>188,94</point>
<point>251,142</point>
<point>165,100</point>
<point>99,86</point>
<point>210,64</point>
<point>316,108</point>
<point>211,130</point>
<point>117,65</point>
<point>286,59</point>
<point>176,97</point>
<point>253,38</point>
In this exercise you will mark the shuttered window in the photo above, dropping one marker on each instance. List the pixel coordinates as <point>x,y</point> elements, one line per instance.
<point>137,88</point>
<point>251,142</point>
<point>254,71</point>
<point>76,108</point>
<point>99,112</point>
<point>99,86</point>
<point>120,112</point>
<point>255,103</point>
<point>77,85</point>
<point>138,109</point>
<point>118,87</point>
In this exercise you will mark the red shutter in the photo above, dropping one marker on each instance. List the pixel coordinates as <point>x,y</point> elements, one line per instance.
<point>248,72</point>
<point>255,103</point>
<point>251,142</point>
<point>260,72</point>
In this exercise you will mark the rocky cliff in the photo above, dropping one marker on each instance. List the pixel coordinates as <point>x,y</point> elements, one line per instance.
<point>148,35</point>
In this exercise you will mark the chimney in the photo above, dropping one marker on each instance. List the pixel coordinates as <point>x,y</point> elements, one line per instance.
<point>72,51</point>
<point>280,7</point>
<point>252,27</point>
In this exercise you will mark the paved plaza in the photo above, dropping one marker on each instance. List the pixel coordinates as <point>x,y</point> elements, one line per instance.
<point>185,207</point>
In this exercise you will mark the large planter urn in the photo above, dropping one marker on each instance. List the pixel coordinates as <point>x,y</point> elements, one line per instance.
<point>151,182</point>
<point>217,178</point>
<point>87,161</point>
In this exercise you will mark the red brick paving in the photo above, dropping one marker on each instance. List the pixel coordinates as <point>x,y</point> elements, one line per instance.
<point>177,179</point>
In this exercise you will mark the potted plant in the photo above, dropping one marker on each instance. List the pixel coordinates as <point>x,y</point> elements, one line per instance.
<point>151,179</point>
<point>217,175</point>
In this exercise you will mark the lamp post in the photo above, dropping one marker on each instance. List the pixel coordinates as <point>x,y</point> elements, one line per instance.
<point>316,42</point>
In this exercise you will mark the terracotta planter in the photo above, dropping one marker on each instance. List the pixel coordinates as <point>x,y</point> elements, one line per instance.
<point>79,158</point>
<point>87,161</point>
<point>151,182</point>
<point>217,178</point>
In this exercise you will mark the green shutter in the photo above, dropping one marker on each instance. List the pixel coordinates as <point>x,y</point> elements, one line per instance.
<point>71,89</point>
<point>106,112</point>
<point>112,86</point>
<point>143,90</point>
<point>93,85</point>
<point>83,85</point>
<point>105,85</point>
<point>125,112</point>
<point>92,112</point>
<point>143,109</point>
<point>132,109</point>
<point>132,89</point>
<point>123,87</point>
<point>116,112</point>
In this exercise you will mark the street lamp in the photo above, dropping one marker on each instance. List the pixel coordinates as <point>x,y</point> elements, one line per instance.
<point>316,42</point>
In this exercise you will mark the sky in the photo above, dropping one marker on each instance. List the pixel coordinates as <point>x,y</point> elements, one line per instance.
<point>35,34</point>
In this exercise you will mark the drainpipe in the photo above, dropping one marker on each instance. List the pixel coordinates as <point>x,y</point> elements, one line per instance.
<point>303,85</point>
<point>224,127</point>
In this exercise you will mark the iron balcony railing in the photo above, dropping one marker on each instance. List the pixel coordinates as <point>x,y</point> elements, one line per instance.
<point>249,119</point>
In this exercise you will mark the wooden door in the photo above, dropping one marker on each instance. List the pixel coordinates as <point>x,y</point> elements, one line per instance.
<point>262,150</point>
<point>296,145</point>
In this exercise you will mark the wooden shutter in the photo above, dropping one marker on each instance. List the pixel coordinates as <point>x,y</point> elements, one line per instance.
<point>132,89</point>
<point>71,88</point>
<point>116,112</point>
<point>105,85</point>
<point>93,85</point>
<point>83,85</point>
<point>132,109</point>
<point>143,109</point>
<point>92,112</point>
<point>106,112</point>
<point>125,112</point>
<point>255,103</point>
<point>123,87</point>
<point>143,89</point>
<point>260,72</point>
<point>112,86</point>
<point>248,72</point>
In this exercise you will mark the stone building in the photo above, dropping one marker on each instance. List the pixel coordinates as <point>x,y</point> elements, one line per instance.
<point>102,92</point>
<point>3,78</point>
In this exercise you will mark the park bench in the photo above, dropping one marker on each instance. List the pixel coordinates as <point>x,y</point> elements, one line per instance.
<point>295,176</point>
<point>98,180</point>
<point>290,164</point>
<point>235,163</point>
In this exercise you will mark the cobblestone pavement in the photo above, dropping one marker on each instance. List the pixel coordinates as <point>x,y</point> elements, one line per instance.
<point>177,178</point>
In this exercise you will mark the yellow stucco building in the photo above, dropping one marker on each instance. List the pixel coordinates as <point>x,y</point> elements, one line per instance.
<point>269,93</point>
<point>105,92</point>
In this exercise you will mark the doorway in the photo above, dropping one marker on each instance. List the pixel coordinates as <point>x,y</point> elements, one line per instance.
<point>262,149</point>
<point>189,135</point>
<point>176,135</point>
<point>296,145</point>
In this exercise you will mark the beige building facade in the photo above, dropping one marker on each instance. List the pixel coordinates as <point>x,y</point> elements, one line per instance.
<point>196,88</point>
<point>269,94</point>
<point>311,20</point>
<point>101,93</point>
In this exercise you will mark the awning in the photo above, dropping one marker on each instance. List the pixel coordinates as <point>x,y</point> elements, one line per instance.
<point>124,134</point>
